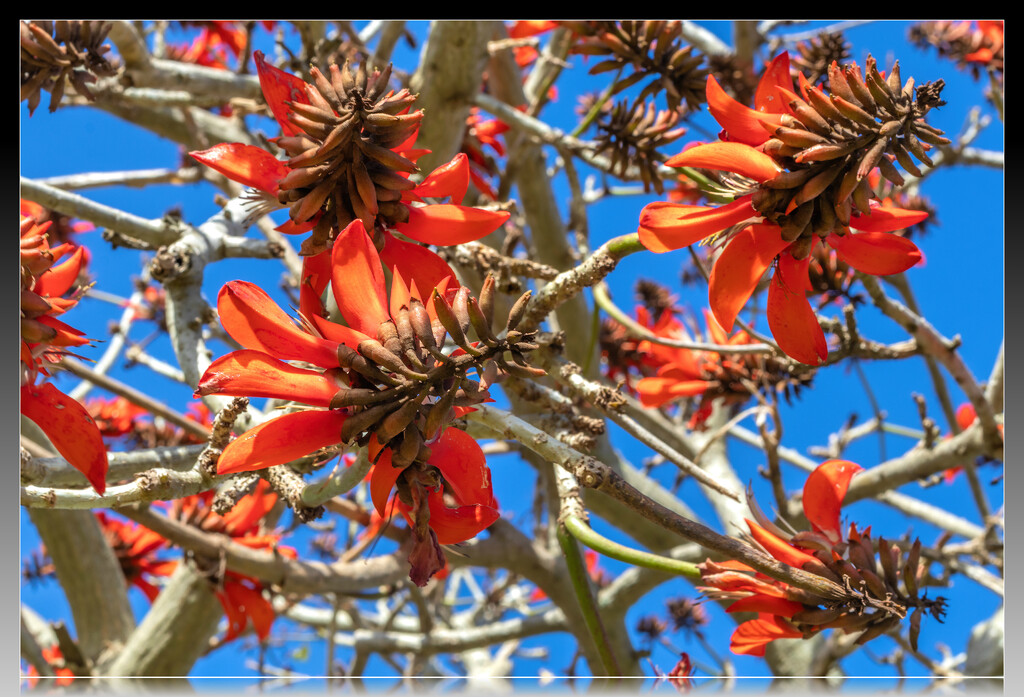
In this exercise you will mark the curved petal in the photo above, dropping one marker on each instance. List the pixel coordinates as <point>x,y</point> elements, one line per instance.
<point>464,466</point>
<point>730,157</point>
<point>739,269</point>
<point>316,274</point>
<point>66,335</point>
<point>790,317</point>
<point>824,491</point>
<point>447,224</point>
<point>655,391</point>
<point>417,265</point>
<point>450,179</point>
<point>282,439</point>
<point>357,280</point>
<point>255,374</point>
<point>256,322</point>
<point>67,424</point>
<point>779,548</point>
<point>453,525</point>
<point>751,637</point>
<point>245,164</point>
<point>876,253</point>
<point>57,280</point>
<point>340,333</point>
<point>741,123</point>
<point>666,226</point>
<point>278,88</point>
<point>776,74</point>
<point>767,604</point>
<point>887,219</point>
<point>382,481</point>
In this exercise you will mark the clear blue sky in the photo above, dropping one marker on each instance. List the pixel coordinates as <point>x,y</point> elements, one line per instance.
<point>960,291</point>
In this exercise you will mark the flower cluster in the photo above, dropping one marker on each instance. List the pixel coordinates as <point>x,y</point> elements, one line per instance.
<point>971,44</point>
<point>54,54</point>
<point>45,286</point>
<point>879,592</point>
<point>349,141</point>
<point>135,547</point>
<point>382,379</point>
<point>800,166</point>
<point>241,596</point>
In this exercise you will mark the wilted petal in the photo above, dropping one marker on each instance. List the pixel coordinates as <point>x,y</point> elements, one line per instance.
<point>740,267</point>
<point>730,157</point>
<point>823,496</point>
<point>875,253</point>
<point>70,428</point>
<point>666,226</point>
<point>245,164</point>
<point>790,317</point>
<point>282,439</point>
<point>256,322</point>
<point>447,224</point>
<point>357,278</point>
<point>255,374</point>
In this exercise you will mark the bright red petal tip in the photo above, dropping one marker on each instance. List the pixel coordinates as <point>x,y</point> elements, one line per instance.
<point>790,316</point>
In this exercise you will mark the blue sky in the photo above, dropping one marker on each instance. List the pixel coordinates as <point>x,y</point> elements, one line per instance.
<point>959,290</point>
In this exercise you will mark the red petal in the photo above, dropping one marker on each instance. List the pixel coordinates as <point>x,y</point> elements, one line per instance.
<point>751,637</point>
<point>741,123</point>
<point>887,219</point>
<point>255,374</point>
<point>340,333</point>
<point>666,226</point>
<point>280,87</point>
<point>450,179</point>
<point>776,74</point>
<point>282,439</point>
<point>446,224</point>
<point>739,268</point>
<point>357,280</point>
<point>462,463</point>
<point>779,548</point>
<point>256,322</point>
<point>66,334</point>
<point>316,274</point>
<point>655,391</point>
<point>382,481</point>
<point>70,428</point>
<point>790,316</point>
<point>965,416</point>
<point>768,604</point>
<point>452,525</point>
<point>57,280</point>
<point>823,495</point>
<point>245,164</point>
<point>876,253</point>
<point>417,265</point>
<point>730,157</point>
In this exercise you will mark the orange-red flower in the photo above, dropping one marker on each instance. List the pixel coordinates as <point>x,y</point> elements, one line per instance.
<point>876,601</point>
<point>52,654</point>
<point>241,596</point>
<point>351,153</point>
<point>44,296</point>
<point>441,474</point>
<point>135,547</point>
<point>965,416</point>
<point>787,203</point>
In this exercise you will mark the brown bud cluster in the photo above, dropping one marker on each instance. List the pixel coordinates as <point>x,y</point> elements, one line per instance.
<point>650,47</point>
<point>343,165</point>
<point>813,57</point>
<point>834,141</point>
<point>632,135</point>
<point>403,387</point>
<point>53,53</point>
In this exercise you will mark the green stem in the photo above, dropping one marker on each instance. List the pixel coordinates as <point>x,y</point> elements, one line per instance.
<point>588,605</point>
<point>337,483</point>
<point>609,548</point>
<point>596,108</point>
